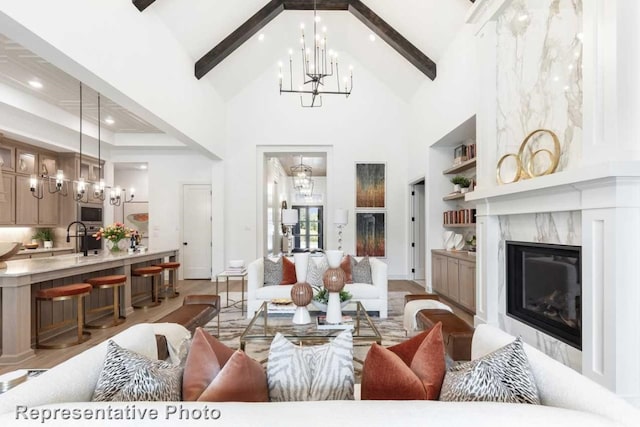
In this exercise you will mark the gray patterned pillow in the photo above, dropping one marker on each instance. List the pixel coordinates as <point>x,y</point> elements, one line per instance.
<point>323,372</point>
<point>272,272</point>
<point>129,376</point>
<point>315,271</point>
<point>501,376</point>
<point>361,271</point>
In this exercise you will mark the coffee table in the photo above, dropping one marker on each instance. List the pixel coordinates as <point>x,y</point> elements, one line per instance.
<point>264,326</point>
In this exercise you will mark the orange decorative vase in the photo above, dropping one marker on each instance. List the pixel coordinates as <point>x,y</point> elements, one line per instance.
<point>301,295</point>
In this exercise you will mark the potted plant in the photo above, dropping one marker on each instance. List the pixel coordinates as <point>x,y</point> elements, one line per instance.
<point>460,182</point>
<point>321,298</point>
<point>46,235</point>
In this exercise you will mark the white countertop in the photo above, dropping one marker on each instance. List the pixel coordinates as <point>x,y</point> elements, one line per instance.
<point>26,267</point>
<point>42,250</point>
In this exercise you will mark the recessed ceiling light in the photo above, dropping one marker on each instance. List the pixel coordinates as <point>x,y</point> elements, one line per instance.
<point>261,37</point>
<point>523,17</point>
<point>143,167</point>
<point>35,84</point>
<point>372,37</point>
<point>109,121</point>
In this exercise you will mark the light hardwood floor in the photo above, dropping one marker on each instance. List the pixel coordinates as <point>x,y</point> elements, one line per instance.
<point>49,358</point>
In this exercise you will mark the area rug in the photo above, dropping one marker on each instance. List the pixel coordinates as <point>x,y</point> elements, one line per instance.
<point>233,323</point>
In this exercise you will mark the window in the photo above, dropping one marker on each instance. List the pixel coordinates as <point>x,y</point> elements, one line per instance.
<point>307,234</point>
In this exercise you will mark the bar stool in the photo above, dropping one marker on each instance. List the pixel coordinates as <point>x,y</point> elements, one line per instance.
<point>114,282</point>
<point>155,273</point>
<point>60,293</point>
<point>172,268</point>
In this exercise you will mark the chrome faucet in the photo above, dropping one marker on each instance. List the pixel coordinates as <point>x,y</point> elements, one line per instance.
<point>85,243</point>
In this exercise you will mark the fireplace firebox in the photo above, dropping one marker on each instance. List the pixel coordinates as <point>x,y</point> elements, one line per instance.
<point>544,288</point>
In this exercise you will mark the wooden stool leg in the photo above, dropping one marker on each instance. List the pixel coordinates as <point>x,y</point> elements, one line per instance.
<point>116,305</point>
<point>80,317</point>
<point>37,323</point>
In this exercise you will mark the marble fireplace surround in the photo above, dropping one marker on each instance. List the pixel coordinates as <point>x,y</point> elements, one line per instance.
<point>606,198</point>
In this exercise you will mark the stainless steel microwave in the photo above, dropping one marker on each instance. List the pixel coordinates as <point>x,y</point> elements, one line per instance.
<point>90,213</point>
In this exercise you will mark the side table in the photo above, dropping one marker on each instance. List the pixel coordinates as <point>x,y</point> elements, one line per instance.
<point>226,274</point>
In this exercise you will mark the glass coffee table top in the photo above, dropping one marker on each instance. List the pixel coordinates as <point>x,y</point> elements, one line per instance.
<point>265,325</point>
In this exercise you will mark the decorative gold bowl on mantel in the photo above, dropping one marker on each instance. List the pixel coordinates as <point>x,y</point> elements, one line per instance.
<point>7,250</point>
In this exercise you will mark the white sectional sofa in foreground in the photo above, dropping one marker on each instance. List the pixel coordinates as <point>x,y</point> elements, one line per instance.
<point>61,397</point>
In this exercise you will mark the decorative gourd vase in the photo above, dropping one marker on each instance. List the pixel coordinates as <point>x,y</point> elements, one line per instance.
<point>333,280</point>
<point>301,295</point>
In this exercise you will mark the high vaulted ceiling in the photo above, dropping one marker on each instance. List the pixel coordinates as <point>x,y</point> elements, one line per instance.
<point>199,25</point>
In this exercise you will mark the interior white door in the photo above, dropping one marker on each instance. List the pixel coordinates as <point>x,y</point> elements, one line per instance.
<point>419,236</point>
<point>196,231</point>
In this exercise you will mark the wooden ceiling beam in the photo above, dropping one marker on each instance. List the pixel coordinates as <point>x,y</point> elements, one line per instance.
<point>320,4</point>
<point>275,7</point>
<point>238,37</point>
<point>387,33</point>
<point>142,4</point>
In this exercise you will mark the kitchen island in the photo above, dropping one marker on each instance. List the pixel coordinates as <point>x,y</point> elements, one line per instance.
<point>21,277</point>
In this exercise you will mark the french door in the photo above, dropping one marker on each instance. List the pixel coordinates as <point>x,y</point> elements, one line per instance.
<point>308,232</point>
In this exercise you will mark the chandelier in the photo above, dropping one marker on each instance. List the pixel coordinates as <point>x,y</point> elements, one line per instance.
<point>301,175</point>
<point>315,68</point>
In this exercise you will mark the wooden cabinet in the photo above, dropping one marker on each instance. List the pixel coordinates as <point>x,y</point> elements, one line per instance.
<point>26,204</point>
<point>439,273</point>
<point>26,161</point>
<point>453,276</point>
<point>467,284</point>
<point>8,200</point>
<point>48,209</point>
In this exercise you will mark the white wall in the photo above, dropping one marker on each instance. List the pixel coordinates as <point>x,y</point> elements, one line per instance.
<point>127,179</point>
<point>372,125</point>
<point>167,172</point>
<point>437,109</point>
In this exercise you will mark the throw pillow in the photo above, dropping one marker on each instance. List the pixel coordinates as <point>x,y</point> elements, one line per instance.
<point>127,375</point>
<point>361,271</point>
<point>288,272</point>
<point>412,370</point>
<point>501,376</point>
<point>345,265</point>
<point>322,372</point>
<point>214,372</point>
<point>315,271</point>
<point>272,272</point>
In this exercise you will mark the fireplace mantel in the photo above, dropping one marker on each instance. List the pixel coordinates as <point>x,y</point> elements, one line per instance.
<point>607,185</point>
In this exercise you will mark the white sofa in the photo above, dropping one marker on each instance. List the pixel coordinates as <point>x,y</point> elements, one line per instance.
<point>373,297</point>
<point>568,398</point>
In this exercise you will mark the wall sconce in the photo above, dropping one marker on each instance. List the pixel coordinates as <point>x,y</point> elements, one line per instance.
<point>340,219</point>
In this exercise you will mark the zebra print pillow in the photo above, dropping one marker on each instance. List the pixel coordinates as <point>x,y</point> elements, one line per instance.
<point>315,271</point>
<point>129,376</point>
<point>501,376</point>
<point>322,372</point>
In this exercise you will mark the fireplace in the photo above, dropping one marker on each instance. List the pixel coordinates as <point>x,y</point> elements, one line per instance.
<point>544,288</point>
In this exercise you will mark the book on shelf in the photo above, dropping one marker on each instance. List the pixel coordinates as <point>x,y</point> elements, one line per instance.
<point>234,270</point>
<point>347,323</point>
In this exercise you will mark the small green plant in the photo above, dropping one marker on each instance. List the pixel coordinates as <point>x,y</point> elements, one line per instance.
<point>323,295</point>
<point>460,180</point>
<point>44,234</point>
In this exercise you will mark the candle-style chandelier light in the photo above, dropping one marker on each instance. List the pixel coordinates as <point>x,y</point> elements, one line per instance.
<point>318,63</point>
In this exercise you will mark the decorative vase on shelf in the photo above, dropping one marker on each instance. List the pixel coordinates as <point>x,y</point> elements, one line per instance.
<point>333,280</point>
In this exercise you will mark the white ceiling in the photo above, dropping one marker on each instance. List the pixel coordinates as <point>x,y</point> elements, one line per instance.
<point>18,66</point>
<point>199,25</point>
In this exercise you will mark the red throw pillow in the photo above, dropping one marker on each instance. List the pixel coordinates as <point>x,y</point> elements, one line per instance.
<point>412,370</point>
<point>288,272</point>
<point>209,366</point>
<point>345,265</point>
